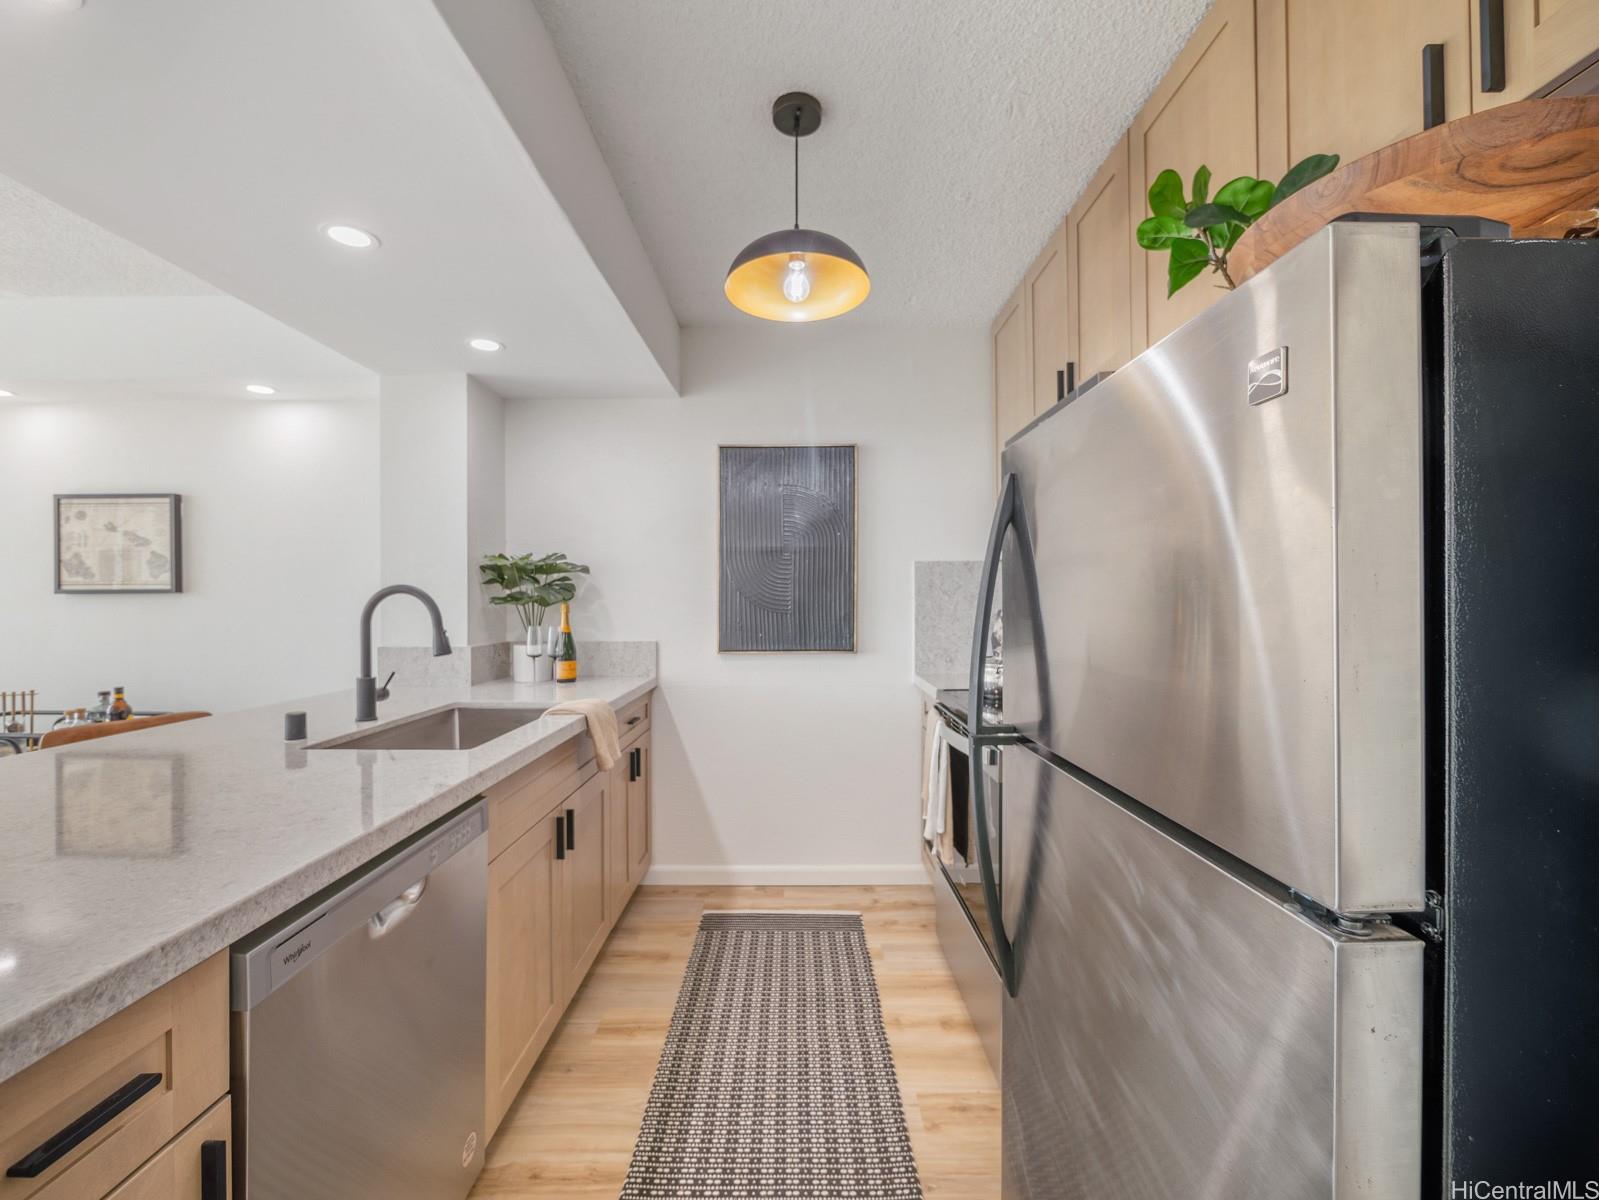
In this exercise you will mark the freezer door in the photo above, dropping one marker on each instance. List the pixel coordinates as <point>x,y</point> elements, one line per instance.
<point>1226,615</point>
<point>1178,1032</point>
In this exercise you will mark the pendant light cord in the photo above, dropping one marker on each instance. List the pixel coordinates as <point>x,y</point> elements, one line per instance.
<point>796,166</point>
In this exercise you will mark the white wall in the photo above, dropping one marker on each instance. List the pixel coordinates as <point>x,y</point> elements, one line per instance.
<point>768,768</point>
<point>280,547</point>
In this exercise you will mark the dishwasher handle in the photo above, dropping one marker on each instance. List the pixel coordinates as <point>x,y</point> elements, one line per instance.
<point>396,910</point>
<point>377,897</point>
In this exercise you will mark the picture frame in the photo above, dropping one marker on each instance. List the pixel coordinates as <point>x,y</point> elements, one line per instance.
<point>118,543</point>
<point>787,553</point>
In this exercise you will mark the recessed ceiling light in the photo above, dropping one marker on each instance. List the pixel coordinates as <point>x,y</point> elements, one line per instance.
<point>5,395</point>
<point>260,389</point>
<point>488,344</point>
<point>349,235</point>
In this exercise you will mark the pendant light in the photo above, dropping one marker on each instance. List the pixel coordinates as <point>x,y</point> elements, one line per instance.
<point>796,274</point>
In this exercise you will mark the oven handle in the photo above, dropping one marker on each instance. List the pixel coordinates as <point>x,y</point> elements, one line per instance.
<point>1007,514</point>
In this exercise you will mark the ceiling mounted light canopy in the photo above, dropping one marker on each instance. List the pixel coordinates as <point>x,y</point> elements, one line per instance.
<point>796,274</point>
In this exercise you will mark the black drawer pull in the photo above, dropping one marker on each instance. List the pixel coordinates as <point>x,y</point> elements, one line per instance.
<point>635,720</point>
<point>1432,85</point>
<point>560,836</point>
<point>214,1170</point>
<point>571,825</point>
<point>1491,35</point>
<point>40,1160</point>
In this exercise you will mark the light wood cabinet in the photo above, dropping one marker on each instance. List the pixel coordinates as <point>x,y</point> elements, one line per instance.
<point>1100,262</point>
<point>555,892</point>
<point>1047,285</point>
<point>157,1065</point>
<point>1346,78</point>
<point>526,986</point>
<point>638,835</point>
<point>1012,372</point>
<point>584,906</point>
<point>198,1165</point>
<point>1201,114</point>
<point>1543,39</point>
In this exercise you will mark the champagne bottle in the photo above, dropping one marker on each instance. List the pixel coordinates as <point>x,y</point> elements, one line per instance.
<point>566,654</point>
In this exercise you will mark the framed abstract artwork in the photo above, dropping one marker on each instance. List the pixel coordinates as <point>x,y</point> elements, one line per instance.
<point>118,543</point>
<point>786,549</point>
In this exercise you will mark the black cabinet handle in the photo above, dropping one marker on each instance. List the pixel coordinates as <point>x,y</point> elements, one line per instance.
<point>214,1170</point>
<point>560,836</point>
<point>36,1162</point>
<point>635,720</point>
<point>571,825</point>
<point>1432,85</point>
<point>1491,36</point>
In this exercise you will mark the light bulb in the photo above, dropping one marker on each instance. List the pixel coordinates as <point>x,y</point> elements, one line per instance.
<point>797,283</point>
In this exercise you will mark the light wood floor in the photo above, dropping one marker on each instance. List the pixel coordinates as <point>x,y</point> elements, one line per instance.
<point>570,1133</point>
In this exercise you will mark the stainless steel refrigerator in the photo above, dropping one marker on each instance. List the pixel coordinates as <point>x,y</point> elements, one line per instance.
<point>1301,739</point>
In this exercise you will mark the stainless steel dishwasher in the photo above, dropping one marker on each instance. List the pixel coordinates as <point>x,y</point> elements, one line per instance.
<point>358,1030</point>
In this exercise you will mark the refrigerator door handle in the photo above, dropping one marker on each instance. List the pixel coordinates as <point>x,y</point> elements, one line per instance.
<point>1005,516</point>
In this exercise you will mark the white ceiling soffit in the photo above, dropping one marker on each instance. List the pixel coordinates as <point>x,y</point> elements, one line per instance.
<point>955,133</point>
<point>221,136</point>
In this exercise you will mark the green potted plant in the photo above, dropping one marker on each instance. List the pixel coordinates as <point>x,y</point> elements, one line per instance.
<point>1199,231</point>
<point>532,586</point>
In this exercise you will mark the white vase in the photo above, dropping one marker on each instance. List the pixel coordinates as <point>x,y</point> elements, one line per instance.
<point>524,664</point>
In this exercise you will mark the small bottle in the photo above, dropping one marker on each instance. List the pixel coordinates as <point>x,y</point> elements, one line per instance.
<point>102,708</point>
<point>566,652</point>
<point>120,709</point>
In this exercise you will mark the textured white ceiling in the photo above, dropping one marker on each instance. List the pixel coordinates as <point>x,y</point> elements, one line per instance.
<point>50,251</point>
<point>956,132</point>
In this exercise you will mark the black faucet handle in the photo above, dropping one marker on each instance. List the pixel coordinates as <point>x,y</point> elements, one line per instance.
<point>383,688</point>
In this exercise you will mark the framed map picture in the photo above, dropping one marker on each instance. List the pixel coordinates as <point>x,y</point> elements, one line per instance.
<point>787,549</point>
<point>119,543</point>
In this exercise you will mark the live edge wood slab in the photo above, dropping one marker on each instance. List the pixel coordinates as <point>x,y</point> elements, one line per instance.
<point>1533,165</point>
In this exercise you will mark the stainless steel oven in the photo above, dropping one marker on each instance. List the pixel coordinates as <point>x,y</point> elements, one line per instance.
<point>964,930</point>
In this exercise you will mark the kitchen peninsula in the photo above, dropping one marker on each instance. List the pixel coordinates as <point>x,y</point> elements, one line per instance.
<point>125,866</point>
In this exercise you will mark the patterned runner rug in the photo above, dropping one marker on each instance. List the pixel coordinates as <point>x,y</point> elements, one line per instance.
<point>776,1082</point>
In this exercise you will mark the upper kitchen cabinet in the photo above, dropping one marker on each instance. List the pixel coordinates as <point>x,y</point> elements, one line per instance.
<point>1537,42</point>
<point>1203,113</point>
<point>1100,265</point>
<point>1013,370</point>
<point>1349,78</point>
<point>1047,286</point>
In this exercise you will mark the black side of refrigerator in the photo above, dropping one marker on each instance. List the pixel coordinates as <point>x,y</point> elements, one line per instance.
<point>1513,388</point>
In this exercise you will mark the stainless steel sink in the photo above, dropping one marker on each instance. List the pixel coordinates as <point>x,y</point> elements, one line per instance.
<point>448,729</point>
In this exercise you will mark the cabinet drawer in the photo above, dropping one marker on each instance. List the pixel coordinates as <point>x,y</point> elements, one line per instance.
<point>157,1065</point>
<point>516,804</point>
<point>184,1170</point>
<point>634,719</point>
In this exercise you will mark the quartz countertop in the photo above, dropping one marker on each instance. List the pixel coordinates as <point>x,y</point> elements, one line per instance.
<point>125,861</point>
<point>931,683</point>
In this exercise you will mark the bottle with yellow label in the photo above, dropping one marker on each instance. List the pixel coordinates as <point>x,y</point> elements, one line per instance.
<point>566,652</point>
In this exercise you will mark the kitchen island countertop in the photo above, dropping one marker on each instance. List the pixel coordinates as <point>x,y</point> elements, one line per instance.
<point>126,861</point>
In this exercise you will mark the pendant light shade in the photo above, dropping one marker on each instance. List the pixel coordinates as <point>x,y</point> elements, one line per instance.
<point>796,274</point>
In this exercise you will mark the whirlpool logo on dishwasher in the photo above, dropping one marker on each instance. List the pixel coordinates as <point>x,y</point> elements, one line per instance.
<point>293,956</point>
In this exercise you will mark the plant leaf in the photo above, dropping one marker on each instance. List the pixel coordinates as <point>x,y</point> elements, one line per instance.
<point>1305,171</point>
<point>1188,259</point>
<point>1260,198</point>
<point>1201,185</point>
<point>1156,233</point>
<point>1166,195</point>
<point>1202,216</point>
<point>1235,192</point>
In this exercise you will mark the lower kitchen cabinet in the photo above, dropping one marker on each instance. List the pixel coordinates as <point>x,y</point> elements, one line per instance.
<point>526,986</point>
<point>584,907</point>
<point>638,812</point>
<point>154,1073</point>
<point>575,843</point>
<point>196,1166</point>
